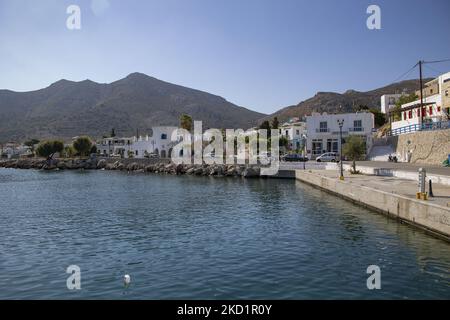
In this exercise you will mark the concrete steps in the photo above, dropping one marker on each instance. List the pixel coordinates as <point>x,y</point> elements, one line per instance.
<point>380,153</point>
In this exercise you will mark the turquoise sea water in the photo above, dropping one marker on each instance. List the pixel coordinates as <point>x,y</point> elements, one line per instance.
<point>203,238</point>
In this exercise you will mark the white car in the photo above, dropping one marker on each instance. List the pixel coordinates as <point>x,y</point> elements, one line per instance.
<point>328,157</point>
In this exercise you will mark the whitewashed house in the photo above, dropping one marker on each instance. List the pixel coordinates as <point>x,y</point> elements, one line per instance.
<point>434,111</point>
<point>158,143</point>
<point>323,131</point>
<point>115,147</point>
<point>13,150</point>
<point>295,132</point>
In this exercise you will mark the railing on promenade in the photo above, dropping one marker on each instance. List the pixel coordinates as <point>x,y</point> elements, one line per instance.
<point>420,127</point>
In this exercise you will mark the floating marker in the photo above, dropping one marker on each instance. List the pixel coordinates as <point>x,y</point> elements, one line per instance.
<point>127,280</point>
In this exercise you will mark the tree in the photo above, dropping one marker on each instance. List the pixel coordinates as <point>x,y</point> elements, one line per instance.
<point>283,141</point>
<point>265,125</point>
<point>82,145</point>
<point>354,148</point>
<point>360,107</point>
<point>47,149</point>
<point>397,112</point>
<point>380,118</point>
<point>69,152</point>
<point>275,123</point>
<point>93,149</point>
<point>113,133</point>
<point>31,143</point>
<point>186,122</point>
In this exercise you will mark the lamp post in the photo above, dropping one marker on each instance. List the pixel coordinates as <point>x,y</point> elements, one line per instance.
<point>341,174</point>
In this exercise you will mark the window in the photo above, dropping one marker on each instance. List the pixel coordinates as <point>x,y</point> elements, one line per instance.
<point>137,153</point>
<point>431,91</point>
<point>323,126</point>
<point>404,115</point>
<point>410,114</point>
<point>446,93</point>
<point>297,132</point>
<point>163,136</point>
<point>357,125</point>
<point>431,110</point>
<point>438,109</point>
<point>287,133</point>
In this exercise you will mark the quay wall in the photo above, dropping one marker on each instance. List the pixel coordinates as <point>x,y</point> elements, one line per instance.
<point>430,217</point>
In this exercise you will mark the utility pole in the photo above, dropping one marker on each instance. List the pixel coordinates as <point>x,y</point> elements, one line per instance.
<point>421,93</point>
<point>341,167</point>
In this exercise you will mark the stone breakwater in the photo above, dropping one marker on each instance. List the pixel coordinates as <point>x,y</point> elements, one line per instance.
<point>135,165</point>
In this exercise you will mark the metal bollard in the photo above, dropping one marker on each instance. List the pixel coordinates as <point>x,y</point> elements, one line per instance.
<point>430,189</point>
<point>422,176</point>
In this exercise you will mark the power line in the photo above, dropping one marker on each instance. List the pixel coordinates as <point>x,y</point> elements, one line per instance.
<point>436,61</point>
<point>405,74</point>
<point>434,70</point>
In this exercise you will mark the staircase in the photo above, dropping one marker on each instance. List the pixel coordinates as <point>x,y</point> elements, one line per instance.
<point>380,150</point>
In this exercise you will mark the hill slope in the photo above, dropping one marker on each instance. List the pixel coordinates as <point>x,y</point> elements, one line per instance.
<point>66,109</point>
<point>332,102</point>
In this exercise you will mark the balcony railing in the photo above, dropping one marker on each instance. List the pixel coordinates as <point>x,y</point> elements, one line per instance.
<point>420,127</point>
<point>322,130</point>
<point>356,129</point>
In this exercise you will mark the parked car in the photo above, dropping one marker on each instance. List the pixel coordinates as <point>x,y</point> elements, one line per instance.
<point>328,157</point>
<point>295,158</point>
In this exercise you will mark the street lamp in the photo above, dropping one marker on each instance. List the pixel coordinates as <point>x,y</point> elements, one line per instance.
<point>341,124</point>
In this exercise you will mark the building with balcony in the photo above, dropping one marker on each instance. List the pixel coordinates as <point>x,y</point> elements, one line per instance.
<point>295,132</point>
<point>323,131</point>
<point>158,143</point>
<point>432,114</point>
<point>114,146</point>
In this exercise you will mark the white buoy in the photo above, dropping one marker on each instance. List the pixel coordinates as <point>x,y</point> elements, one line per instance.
<point>127,280</point>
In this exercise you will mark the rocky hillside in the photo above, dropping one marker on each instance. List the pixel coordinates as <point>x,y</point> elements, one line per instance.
<point>332,102</point>
<point>67,109</point>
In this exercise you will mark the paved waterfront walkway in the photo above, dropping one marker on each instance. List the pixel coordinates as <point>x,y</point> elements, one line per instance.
<point>410,167</point>
<point>407,188</point>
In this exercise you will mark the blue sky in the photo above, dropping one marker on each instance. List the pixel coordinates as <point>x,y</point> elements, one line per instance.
<point>259,54</point>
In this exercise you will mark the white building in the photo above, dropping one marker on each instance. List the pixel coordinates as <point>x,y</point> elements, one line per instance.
<point>388,102</point>
<point>157,143</point>
<point>112,147</point>
<point>12,150</point>
<point>323,131</point>
<point>295,132</point>
<point>415,116</point>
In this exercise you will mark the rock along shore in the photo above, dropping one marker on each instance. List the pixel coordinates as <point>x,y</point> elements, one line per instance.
<point>134,165</point>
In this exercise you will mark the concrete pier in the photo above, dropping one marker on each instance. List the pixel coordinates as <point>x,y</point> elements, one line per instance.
<point>392,196</point>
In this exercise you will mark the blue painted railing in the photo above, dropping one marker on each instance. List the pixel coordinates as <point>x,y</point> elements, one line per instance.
<point>421,127</point>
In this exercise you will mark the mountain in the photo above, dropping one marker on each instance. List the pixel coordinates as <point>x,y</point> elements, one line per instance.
<point>138,102</point>
<point>332,102</point>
